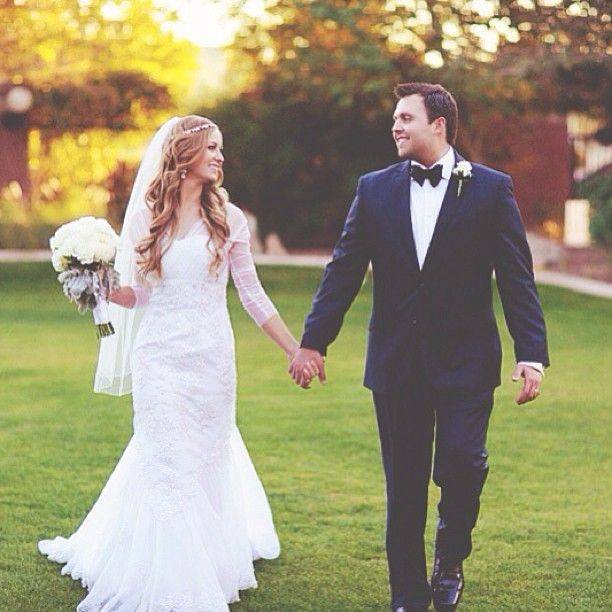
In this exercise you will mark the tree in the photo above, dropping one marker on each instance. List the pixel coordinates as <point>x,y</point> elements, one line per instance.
<point>322,73</point>
<point>344,48</point>
<point>73,41</point>
<point>116,101</point>
<point>104,74</point>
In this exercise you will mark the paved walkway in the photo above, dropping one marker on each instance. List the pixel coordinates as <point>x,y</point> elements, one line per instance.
<point>23,255</point>
<point>579,284</point>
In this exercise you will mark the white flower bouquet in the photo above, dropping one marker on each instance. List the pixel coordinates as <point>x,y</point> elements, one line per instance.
<point>83,252</point>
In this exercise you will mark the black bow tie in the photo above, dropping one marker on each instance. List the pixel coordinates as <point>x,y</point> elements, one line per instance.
<point>419,174</point>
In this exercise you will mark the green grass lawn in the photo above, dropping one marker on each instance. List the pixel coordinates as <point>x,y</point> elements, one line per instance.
<point>542,542</point>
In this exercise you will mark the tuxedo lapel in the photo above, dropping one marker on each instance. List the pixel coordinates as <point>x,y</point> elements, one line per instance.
<point>404,218</point>
<point>450,211</point>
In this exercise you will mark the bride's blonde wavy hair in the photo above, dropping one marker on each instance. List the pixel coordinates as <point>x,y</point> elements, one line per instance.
<point>163,195</point>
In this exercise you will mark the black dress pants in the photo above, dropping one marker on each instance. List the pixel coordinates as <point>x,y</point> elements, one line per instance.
<point>407,419</point>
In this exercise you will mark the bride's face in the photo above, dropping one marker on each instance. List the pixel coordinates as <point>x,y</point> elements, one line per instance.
<point>208,163</point>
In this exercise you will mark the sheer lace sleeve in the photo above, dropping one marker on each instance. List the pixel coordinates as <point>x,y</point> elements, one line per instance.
<point>242,267</point>
<point>142,294</point>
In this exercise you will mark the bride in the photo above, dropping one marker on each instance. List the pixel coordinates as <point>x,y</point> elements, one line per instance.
<point>183,515</point>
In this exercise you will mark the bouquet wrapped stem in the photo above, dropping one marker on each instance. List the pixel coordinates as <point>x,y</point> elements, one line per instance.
<point>102,320</point>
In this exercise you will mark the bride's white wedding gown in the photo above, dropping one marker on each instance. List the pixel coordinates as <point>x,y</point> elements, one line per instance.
<point>183,515</point>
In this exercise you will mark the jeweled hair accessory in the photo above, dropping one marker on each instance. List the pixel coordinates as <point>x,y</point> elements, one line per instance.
<point>199,128</point>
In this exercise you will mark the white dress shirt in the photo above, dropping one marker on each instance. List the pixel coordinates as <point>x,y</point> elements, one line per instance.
<point>425,205</point>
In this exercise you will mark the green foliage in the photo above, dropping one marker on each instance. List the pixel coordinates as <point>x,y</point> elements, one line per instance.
<point>26,235</point>
<point>317,112</point>
<point>104,75</point>
<point>367,33</point>
<point>544,518</point>
<point>585,84</point>
<point>295,164</point>
<point>73,173</point>
<point>107,102</point>
<point>597,188</point>
<point>63,41</point>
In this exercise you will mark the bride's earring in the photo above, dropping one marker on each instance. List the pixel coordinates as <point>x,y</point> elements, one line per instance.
<point>183,174</point>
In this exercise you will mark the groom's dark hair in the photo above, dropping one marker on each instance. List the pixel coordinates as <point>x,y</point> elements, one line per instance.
<point>438,103</point>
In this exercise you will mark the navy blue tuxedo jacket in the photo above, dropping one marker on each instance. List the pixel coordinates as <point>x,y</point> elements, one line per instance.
<point>442,314</point>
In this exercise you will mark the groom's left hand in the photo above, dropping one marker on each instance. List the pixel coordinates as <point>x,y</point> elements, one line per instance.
<point>531,386</point>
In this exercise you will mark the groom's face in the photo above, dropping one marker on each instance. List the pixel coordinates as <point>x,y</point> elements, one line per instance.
<point>413,134</point>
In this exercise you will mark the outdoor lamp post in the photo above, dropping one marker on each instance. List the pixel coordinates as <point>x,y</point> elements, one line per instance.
<point>18,100</point>
<point>15,102</point>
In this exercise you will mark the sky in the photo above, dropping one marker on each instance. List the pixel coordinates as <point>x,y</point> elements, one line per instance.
<point>206,22</point>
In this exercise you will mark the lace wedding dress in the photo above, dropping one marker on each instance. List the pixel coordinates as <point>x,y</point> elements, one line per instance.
<point>183,515</point>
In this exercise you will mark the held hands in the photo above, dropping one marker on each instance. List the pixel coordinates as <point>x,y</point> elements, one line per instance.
<point>124,296</point>
<point>305,365</point>
<point>531,386</point>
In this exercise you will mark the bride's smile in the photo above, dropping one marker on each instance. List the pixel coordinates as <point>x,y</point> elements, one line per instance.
<point>208,165</point>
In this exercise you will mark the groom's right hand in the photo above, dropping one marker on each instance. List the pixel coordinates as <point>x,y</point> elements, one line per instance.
<point>305,365</point>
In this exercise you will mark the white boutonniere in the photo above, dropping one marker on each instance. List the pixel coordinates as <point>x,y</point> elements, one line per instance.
<point>463,172</point>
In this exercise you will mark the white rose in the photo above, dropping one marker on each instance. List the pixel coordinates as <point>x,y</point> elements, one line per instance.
<point>59,262</point>
<point>102,225</point>
<point>109,254</point>
<point>58,238</point>
<point>82,248</point>
<point>84,253</point>
<point>105,248</point>
<point>68,246</point>
<point>63,231</point>
<point>464,168</point>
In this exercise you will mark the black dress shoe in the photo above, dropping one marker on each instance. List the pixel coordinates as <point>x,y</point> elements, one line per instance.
<point>447,585</point>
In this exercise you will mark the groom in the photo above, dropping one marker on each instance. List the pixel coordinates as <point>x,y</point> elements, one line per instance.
<point>434,227</point>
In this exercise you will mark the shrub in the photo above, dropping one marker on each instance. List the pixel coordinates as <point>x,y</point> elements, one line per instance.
<point>597,188</point>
